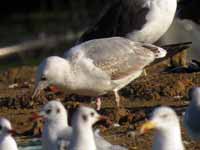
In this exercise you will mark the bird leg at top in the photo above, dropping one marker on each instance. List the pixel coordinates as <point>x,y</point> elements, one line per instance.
<point>98,103</point>
<point>117,98</point>
<point>145,72</point>
<point>119,111</point>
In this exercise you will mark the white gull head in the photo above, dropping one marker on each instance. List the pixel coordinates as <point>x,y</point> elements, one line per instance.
<point>54,111</point>
<point>56,127</point>
<point>82,121</point>
<point>168,134</point>
<point>52,70</point>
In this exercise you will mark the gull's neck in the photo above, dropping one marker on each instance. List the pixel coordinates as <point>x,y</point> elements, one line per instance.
<point>51,131</point>
<point>68,77</point>
<point>83,139</point>
<point>7,142</point>
<point>61,73</point>
<point>5,137</point>
<point>168,139</point>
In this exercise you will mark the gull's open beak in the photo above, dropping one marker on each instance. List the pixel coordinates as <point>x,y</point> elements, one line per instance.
<point>40,86</point>
<point>147,126</point>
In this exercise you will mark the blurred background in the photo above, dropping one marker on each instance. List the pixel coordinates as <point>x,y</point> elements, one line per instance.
<point>50,27</point>
<point>23,21</point>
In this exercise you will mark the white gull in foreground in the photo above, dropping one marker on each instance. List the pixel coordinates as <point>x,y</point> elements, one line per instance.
<point>57,132</point>
<point>168,133</point>
<point>138,20</point>
<point>97,67</point>
<point>192,114</point>
<point>83,137</point>
<point>55,125</point>
<point>7,142</point>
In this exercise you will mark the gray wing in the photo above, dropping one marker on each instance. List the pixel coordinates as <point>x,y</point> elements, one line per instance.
<point>64,139</point>
<point>116,56</point>
<point>102,144</point>
<point>62,144</point>
<point>114,21</point>
<point>66,134</point>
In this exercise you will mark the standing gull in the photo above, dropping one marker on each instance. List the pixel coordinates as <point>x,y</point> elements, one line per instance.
<point>97,67</point>
<point>139,20</point>
<point>191,117</point>
<point>168,133</point>
<point>57,133</point>
<point>7,142</point>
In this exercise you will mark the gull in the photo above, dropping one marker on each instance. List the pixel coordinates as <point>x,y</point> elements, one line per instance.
<point>83,136</point>
<point>138,20</point>
<point>7,142</point>
<point>97,67</point>
<point>168,133</point>
<point>56,125</point>
<point>192,113</point>
<point>57,133</point>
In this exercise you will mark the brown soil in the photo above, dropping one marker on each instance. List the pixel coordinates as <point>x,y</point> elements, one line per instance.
<point>138,98</point>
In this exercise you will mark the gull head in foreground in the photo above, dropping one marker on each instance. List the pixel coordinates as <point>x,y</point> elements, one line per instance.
<point>54,111</point>
<point>83,136</point>
<point>56,126</point>
<point>97,67</point>
<point>191,121</point>
<point>7,142</point>
<point>166,123</point>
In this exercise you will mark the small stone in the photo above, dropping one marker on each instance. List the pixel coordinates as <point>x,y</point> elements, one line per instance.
<point>12,86</point>
<point>132,134</point>
<point>116,125</point>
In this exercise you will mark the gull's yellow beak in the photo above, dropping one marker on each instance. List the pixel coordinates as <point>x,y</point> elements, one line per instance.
<point>147,126</point>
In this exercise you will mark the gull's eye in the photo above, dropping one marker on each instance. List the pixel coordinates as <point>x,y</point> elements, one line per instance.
<point>43,78</point>
<point>48,111</point>
<point>164,116</point>
<point>58,110</point>
<point>92,114</point>
<point>85,118</point>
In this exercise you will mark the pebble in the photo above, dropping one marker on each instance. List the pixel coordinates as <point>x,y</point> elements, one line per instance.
<point>132,134</point>
<point>12,86</point>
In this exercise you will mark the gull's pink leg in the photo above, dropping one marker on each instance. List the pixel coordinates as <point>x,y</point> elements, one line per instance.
<point>117,98</point>
<point>98,103</point>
